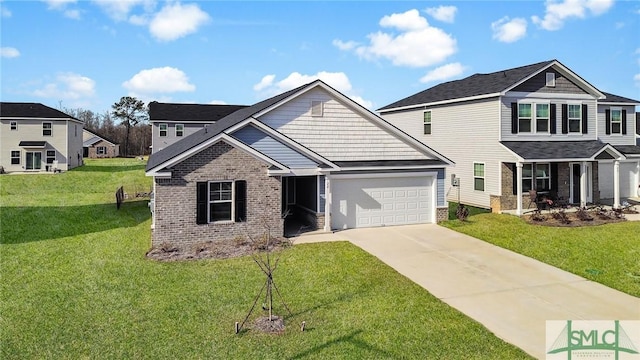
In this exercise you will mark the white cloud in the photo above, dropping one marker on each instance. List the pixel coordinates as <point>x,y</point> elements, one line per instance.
<point>175,21</point>
<point>344,45</point>
<point>119,9</point>
<point>158,81</point>
<point>556,13</point>
<point>68,86</point>
<point>9,52</point>
<point>417,45</point>
<point>337,80</point>
<point>217,102</point>
<point>443,73</point>
<point>266,81</point>
<point>443,13</point>
<point>4,12</point>
<point>509,30</point>
<point>72,14</point>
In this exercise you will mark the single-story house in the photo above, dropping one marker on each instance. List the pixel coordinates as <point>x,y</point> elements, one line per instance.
<point>98,146</point>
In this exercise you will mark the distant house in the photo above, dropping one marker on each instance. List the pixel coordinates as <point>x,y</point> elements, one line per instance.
<point>171,122</point>
<point>36,138</point>
<point>538,129</point>
<point>309,156</point>
<point>97,146</point>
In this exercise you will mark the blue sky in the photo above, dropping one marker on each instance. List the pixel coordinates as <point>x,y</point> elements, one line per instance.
<point>90,53</point>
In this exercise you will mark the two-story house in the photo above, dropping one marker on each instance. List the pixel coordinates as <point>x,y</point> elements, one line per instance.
<point>539,127</point>
<point>171,122</point>
<point>35,138</point>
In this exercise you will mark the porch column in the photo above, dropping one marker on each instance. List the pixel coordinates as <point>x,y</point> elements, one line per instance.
<point>519,188</point>
<point>327,204</point>
<point>616,184</point>
<point>583,184</point>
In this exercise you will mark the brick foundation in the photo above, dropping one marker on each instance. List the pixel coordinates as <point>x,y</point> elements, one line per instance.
<point>175,198</point>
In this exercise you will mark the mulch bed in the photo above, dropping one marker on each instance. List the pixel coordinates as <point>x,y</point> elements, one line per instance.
<point>574,218</point>
<point>273,326</point>
<point>222,249</point>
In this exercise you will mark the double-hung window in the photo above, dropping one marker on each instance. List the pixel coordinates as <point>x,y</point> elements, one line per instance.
<point>15,157</point>
<point>221,201</point>
<point>14,125</point>
<point>51,156</point>
<point>101,150</point>
<point>478,176</point>
<point>47,129</point>
<point>575,118</point>
<point>616,121</point>
<point>542,177</point>
<point>179,129</point>
<point>542,118</point>
<point>427,122</point>
<point>524,118</point>
<point>163,129</point>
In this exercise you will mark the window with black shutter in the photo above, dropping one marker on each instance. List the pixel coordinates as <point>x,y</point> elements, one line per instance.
<point>552,114</point>
<point>565,119</point>
<point>202,195</point>
<point>224,200</point>
<point>241,201</point>
<point>585,123</point>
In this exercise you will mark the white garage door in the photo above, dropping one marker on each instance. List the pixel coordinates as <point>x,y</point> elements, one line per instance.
<point>381,201</point>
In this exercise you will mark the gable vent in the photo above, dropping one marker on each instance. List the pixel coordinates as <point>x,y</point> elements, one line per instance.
<point>551,79</point>
<point>317,108</point>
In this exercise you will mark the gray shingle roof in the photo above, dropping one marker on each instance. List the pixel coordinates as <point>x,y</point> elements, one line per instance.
<point>628,149</point>
<point>215,129</point>
<point>190,112</point>
<point>555,150</point>
<point>474,85</point>
<point>612,98</point>
<point>31,110</point>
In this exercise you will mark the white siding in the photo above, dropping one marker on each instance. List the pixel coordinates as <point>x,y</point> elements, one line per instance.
<point>558,136</point>
<point>341,134</point>
<point>617,139</point>
<point>465,133</point>
<point>160,142</point>
<point>628,179</point>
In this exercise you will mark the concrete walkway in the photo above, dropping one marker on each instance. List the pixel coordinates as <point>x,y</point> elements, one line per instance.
<point>510,294</point>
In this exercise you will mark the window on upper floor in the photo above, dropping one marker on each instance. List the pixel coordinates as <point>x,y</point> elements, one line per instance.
<point>14,125</point>
<point>317,108</point>
<point>163,129</point>
<point>179,129</point>
<point>616,121</point>
<point>47,129</point>
<point>550,79</point>
<point>575,118</point>
<point>478,176</point>
<point>524,118</point>
<point>533,117</point>
<point>542,118</point>
<point>427,122</point>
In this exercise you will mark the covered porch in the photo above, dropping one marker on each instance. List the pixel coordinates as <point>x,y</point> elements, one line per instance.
<point>560,171</point>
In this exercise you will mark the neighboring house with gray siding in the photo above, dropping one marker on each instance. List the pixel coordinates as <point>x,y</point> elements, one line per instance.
<point>539,127</point>
<point>97,146</point>
<point>171,122</point>
<point>309,158</point>
<point>37,138</point>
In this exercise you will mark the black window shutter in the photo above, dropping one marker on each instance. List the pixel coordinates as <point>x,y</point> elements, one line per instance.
<point>624,122</point>
<point>514,118</point>
<point>565,119</point>
<point>554,177</point>
<point>515,179</point>
<point>202,189</point>
<point>607,121</point>
<point>241,201</point>
<point>585,123</point>
<point>552,126</point>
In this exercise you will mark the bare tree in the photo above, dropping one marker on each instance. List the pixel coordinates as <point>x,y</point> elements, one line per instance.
<point>131,112</point>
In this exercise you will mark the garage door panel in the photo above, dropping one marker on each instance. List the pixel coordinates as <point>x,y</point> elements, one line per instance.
<point>370,202</point>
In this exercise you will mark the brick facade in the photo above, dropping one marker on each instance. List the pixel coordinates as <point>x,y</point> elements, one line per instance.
<point>111,150</point>
<point>175,198</point>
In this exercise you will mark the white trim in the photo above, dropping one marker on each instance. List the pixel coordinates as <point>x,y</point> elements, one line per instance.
<point>548,96</point>
<point>484,176</point>
<point>175,129</point>
<point>382,175</point>
<point>611,110</point>
<point>407,167</point>
<point>165,130</point>
<point>232,201</point>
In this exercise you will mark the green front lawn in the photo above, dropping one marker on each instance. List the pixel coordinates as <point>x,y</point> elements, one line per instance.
<point>608,254</point>
<point>76,284</point>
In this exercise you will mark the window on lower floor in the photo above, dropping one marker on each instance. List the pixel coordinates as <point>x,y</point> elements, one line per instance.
<point>101,150</point>
<point>15,157</point>
<point>221,201</point>
<point>478,176</point>
<point>51,156</point>
<point>542,177</point>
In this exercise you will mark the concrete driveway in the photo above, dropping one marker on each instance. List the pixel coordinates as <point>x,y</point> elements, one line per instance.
<point>510,294</point>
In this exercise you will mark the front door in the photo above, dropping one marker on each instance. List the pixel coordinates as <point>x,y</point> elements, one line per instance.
<point>575,183</point>
<point>34,160</point>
